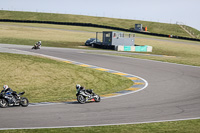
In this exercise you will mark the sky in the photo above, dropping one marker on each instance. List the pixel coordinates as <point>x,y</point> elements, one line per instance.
<point>166,11</point>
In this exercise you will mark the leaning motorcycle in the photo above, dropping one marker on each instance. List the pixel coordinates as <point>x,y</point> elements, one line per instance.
<point>83,96</point>
<point>9,100</point>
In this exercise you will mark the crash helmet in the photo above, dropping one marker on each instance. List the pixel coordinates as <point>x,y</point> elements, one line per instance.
<point>5,87</point>
<point>78,86</point>
<point>40,42</point>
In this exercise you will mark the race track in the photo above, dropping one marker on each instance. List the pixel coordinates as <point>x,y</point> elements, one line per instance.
<point>173,92</point>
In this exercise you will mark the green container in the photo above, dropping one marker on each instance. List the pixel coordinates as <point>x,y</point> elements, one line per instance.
<point>127,48</point>
<point>141,48</point>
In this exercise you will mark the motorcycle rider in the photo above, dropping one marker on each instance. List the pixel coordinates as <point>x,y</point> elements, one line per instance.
<point>79,87</point>
<point>9,91</point>
<point>38,44</point>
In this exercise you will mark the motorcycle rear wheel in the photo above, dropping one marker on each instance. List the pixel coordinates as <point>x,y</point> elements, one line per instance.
<point>81,99</point>
<point>24,102</point>
<point>3,103</point>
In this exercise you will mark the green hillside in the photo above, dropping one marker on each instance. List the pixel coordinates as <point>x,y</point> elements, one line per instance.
<point>154,27</point>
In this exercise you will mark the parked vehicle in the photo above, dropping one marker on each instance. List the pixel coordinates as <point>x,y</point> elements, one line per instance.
<point>7,99</point>
<point>91,41</point>
<point>85,95</point>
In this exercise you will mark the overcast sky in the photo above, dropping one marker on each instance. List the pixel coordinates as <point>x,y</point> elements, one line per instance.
<point>167,11</point>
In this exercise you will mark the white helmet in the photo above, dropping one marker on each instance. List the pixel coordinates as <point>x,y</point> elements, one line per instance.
<point>5,87</point>
<point>40,41</point>
<point>78,86</point>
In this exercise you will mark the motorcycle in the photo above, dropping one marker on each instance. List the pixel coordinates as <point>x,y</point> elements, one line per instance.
<point>7,99</point>
<point>36,47</point>
<point>84,95</point>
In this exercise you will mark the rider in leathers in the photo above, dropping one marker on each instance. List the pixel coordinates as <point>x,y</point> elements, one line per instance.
<point>8,91</point>
<point>79,87</point>
<point>38,44</point>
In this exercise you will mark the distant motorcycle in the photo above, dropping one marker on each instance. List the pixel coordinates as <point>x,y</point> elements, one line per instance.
<point>10,100</point>
<point>84,95</point>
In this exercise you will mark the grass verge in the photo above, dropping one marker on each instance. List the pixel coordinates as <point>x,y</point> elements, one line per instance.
<point>46,80</point>
<point>189,126</point>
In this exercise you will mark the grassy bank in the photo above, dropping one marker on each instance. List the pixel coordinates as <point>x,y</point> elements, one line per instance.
<point>189,126</point>
<point>46,80</point>
<point>154,27</point>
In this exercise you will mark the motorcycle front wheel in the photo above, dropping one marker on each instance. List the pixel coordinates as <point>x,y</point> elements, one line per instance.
<point>3,103</point>
<point>81,99</point>
<point>97,98</point>
<point>24,102</point>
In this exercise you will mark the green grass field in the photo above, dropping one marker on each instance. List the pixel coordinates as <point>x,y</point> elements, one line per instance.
<point>189,126</point>
<point>46,80</point>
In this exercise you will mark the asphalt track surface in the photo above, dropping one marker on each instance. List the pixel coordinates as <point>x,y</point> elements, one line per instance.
<point>173,92</point>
